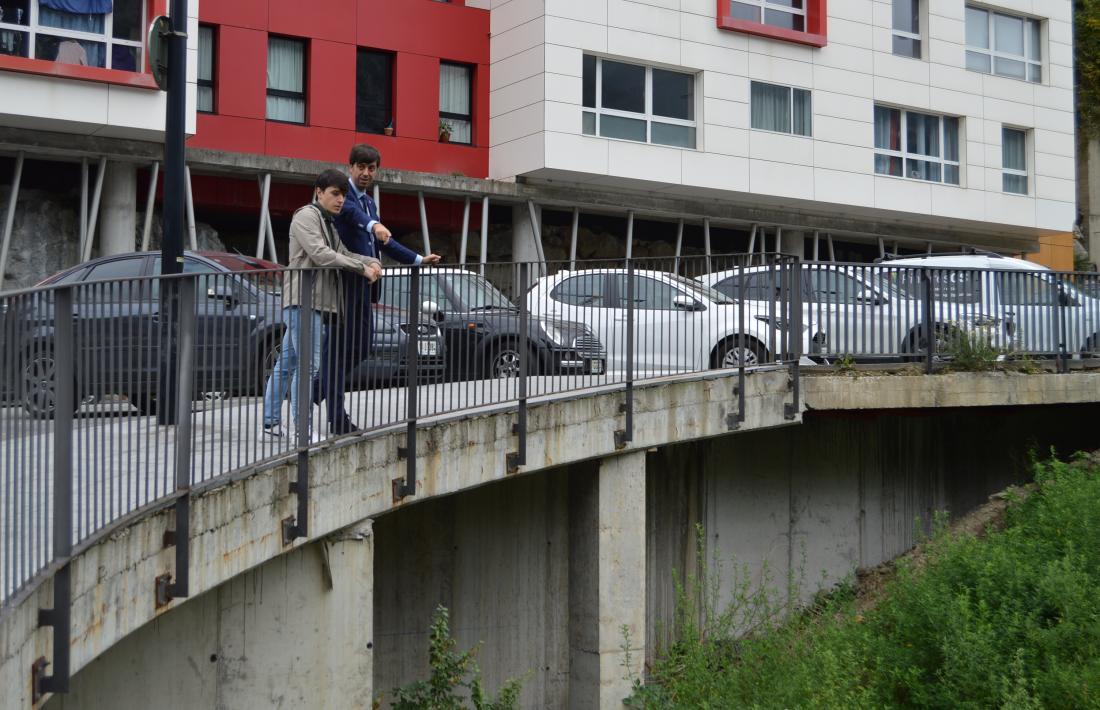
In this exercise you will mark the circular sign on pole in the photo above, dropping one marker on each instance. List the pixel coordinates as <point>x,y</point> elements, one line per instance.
<point>159,32</point>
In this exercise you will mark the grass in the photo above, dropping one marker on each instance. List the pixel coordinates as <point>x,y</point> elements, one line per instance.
<point>1008,621</point>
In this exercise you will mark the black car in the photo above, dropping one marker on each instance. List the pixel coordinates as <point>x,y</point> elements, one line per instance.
<point>118,335</point>
<point>481,327</point>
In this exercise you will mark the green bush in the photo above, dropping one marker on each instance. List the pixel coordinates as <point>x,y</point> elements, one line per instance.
<point>1011,621</point>
<point>448,688</point>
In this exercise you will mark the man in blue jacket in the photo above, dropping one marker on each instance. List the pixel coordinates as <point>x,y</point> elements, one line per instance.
<point>362,233</point>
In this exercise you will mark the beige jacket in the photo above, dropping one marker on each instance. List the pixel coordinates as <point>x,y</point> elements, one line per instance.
<point>313,242</point>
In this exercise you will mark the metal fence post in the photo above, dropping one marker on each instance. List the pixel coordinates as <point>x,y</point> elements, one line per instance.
<point>927,325</point>
<point>627,433</point>
<point>65,403</point>
<point>519,458</point>
<point>408,487</point>
<point>297,525</point>
<point>180,537</point>
<point>794,330</point>
<point>1060,314</point>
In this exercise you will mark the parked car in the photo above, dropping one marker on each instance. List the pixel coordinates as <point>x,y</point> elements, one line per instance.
<point>482,327</point>
<point>238,330</point>
<point>1037,302</point>
<point>679,324</point>
<point>868,311</point>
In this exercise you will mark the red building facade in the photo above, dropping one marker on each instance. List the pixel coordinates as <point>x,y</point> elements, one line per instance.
<point>418,38</point>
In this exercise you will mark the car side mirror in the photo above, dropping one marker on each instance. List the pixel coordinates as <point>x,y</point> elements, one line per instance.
<point>870,297</point>
<point>432,309</point>
<point>224,295</point>
<point>687,303</point>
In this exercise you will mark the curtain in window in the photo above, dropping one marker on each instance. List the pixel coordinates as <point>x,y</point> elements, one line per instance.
<point>801,114</point>
<point>286,72</point>
<point>454,98</point>
<point>77,6</point>
<point>1014,157</point>
<point>206,69</point>
<point>771,107</point>
<point>887,128</point>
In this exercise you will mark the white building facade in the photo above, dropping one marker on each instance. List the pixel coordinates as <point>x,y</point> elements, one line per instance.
<point>947,114</point>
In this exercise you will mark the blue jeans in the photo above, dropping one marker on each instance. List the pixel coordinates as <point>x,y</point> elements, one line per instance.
<point>285,374</point>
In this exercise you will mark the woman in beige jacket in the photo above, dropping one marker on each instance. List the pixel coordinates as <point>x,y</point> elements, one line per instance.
<point>313,243</point>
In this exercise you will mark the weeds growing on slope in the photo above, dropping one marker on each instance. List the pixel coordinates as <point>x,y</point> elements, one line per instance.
<point>1009,621</point>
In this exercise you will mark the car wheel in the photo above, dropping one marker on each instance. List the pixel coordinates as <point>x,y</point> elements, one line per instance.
<point>38,386</point>
<point>731,353</point>
<point>503,361</point>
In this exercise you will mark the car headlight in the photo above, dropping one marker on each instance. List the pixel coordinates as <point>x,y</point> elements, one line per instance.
<point>554,333</point>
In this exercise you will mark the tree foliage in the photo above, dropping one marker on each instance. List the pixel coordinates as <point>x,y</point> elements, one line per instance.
<point>1087,61</point>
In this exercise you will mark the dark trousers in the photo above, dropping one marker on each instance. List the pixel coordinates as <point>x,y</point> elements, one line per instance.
<point>347,345</point>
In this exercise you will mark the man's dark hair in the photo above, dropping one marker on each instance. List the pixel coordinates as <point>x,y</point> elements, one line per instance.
<point>363,153</point>
<point>332,178</point>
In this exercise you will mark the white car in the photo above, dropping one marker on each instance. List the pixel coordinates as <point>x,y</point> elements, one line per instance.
<point>869,311</point>
<point>1045,309</point>
<point>679,325</point>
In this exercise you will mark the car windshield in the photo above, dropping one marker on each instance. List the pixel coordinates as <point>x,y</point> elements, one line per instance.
<point>698,289</point>
<point>475,292</point>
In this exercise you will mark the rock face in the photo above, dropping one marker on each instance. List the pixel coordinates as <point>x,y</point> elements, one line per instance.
<point>46,236</point>
<point>206,237</point>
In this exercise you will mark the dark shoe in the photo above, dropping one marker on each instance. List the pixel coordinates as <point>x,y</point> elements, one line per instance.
<point>343,426</point>
<point>274,430</point>
<point>316,394</point>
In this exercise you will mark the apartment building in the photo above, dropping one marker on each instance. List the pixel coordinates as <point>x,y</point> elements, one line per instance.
<point>906,124</point>
<point>948,117</point>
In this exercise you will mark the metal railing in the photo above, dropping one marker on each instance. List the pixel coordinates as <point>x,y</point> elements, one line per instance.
<point>153,387</point>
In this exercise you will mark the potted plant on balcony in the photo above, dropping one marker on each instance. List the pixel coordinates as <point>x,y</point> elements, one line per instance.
<point>444,131</point>
<point>388,130</point>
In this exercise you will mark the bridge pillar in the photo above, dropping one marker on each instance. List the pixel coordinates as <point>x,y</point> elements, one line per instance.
<point>607,585</point>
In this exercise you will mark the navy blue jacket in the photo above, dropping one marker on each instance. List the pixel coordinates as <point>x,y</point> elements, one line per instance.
<point>352,226</point>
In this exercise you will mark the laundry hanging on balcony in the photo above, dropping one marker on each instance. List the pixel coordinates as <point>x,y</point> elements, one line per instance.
<point>79,7</point>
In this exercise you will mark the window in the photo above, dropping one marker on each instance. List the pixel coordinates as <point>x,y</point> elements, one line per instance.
<point>916,145</point>
<point>801,21</point>
<point>1014,160</point>
<point>373,91</point>
<point>638,103</point>
<point>454,101</point>
<point>205,97</point>
<point>781,109</point>
<point>829,286</point>
<point>906,25</point>
<point>584,290</point>
<point>649,294</point>
<point>111,37</point>
<point>763,286</point>
<point>1005,45</point>
<point>788,14</point>
<point>286,80</point>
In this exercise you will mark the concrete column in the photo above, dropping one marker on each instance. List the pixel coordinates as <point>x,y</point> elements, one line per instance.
<point>523,233</point>
<point>793,242</point>
<point>118,211</point>
<point>295,632</point>
<point>607,585</point>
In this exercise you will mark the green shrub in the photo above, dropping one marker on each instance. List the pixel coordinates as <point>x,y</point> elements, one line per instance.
<point>1011,621</point>
<point>447,688</point>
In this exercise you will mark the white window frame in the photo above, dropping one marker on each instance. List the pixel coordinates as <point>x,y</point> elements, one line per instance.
<point>994,54</point>
<point>790,105</point>
<point>648,116</point>
<point>768,5</point>
<point>32,29</point>
<point>905,155</point>
<point>1026,172</point>
<point>918,36</point>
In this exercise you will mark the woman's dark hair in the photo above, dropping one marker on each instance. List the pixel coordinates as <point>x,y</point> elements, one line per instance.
<point>332,178</point>
<point>363,153</point>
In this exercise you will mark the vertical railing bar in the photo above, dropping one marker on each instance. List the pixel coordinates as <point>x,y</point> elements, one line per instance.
<point>186,363</point>
<point>524,364</point>
<point>303,416</point>
<point>408,488</point>
<point>928,327</point>
<point>64,398</point>
<point>629,424</point>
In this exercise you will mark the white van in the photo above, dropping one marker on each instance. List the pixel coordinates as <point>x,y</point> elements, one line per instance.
<point>1047,309</point>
